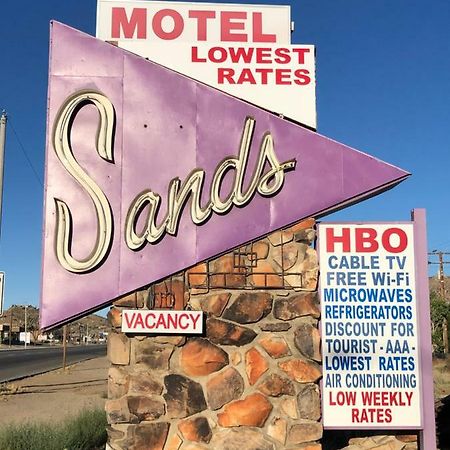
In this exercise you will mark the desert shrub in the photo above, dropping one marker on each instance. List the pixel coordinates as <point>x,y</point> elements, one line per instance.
<point>86,431</point>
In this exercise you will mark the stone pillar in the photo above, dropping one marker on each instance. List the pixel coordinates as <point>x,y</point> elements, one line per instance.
<point>251,382</point>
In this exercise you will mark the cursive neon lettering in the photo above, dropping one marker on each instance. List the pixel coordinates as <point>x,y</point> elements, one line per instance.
<point>266,179</point>
<point>266,184</point>
<point>63,149</point>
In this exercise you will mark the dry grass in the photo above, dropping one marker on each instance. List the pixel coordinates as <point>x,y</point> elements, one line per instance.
<point>441,376</point>
<point>87,431</point>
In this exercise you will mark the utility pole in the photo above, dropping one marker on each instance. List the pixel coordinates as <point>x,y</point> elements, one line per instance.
<point>441,275</point>
<point>3,120</point>
<point>441,278</point>
<point>2,163</point>
<point>445,335</point>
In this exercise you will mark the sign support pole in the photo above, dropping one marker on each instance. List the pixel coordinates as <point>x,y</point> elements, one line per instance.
<point>10,325</point>
<point>428,432</point>
<point>64,346</point>
<point>26,332</point>
<point>3,120</point>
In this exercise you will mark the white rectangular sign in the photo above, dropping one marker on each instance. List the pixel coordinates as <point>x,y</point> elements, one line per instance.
<point>243,50</point>
<point>162,322</point>
<point>369,326</point>
<point>192,22</point>
<point>23,335</point>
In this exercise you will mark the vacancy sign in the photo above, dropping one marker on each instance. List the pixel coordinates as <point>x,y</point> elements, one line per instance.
<point>240,49</point>
<point>369,326</point>
<point>162,322</point>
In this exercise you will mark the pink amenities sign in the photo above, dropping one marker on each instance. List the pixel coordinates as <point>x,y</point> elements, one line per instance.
<point>149,172</point>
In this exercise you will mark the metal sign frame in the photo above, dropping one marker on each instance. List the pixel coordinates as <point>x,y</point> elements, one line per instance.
<point>427,430</point>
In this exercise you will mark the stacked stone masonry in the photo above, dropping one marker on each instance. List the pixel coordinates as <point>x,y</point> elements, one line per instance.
<point>250,382</point>
<point>400,442</point>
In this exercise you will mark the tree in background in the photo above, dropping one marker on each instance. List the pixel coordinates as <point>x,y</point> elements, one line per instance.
<point>440,318</point>
<point>15,316</point>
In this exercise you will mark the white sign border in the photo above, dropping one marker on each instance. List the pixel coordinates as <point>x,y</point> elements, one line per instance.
<point>422,368</point>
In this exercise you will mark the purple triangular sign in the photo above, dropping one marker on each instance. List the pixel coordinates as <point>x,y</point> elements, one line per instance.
<point>149,172</point>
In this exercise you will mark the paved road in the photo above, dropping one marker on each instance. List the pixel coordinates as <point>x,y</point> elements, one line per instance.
<point>15,364</point>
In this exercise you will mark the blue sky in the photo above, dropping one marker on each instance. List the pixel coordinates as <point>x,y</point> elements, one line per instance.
<point>383,86</point>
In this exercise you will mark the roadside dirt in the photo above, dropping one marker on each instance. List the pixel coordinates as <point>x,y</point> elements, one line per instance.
<point>55,395</point>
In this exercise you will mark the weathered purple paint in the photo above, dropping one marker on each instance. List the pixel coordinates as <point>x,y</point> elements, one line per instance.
<point>167,125</point>
<point>428,433</point>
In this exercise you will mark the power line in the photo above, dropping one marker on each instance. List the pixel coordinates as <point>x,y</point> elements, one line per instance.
<point>38,178</point>
<point>441,264</point>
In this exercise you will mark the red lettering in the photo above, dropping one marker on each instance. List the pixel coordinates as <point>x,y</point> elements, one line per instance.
<point>139,321</point>
<point>222,57</point>
<point>409,396</point>
<point>283,76</point>
<point>258,35</point>
<point>332,402</point>
<point>301,54</point>
<point>172,320</point>
<point>227,26</point>
<point>388,415</point>
<point>332,239</point>
<point>136,23</point>
<point>264,74</point>
<point>402,240</point>
<point>148,324</point>
<point>365,240</point>
<point>178,24</point>
<point>195,319</point>
<point>302,77</point>
<point>283,56</point>
<point>236,54</point>
<point>202,22</point>
<point>161,322</point>
<point>129,318</point>
<point>194,55</point>
<point>183,316</point>
<point>225,75</point>
<point>343,398</point>
<point>246,77</point>
<point>371,415</point>
<point>263,56</point>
